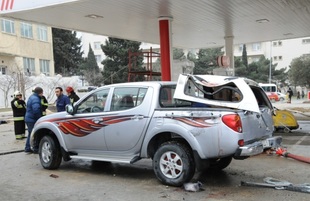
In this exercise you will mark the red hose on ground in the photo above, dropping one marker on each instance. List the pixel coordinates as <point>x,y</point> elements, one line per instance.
<point>283,152</point>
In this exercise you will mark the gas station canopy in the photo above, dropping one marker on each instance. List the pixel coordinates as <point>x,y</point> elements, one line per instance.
<point>194,23</point>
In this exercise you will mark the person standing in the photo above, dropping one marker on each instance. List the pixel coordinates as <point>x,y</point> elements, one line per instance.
<point>298,95</point>
<point>33,113</point>
<point>62,100</point>
<point>44,103</point>
<point>19,110</point>
<point>72,95</point>
<point>290,94</point>
<point>302,94</point>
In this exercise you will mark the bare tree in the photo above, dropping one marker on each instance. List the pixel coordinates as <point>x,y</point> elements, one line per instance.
<point>7,82</point>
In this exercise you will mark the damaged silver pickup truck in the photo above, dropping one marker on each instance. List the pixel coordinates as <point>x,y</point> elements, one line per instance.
<point>201,122</point>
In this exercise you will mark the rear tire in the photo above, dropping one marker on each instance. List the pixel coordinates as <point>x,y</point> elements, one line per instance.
<point>173,164</point>
<point>49,153</point>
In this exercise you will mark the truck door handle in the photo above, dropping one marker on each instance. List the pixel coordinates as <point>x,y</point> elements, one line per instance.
<point>97,120</point>
<point>137,117</point>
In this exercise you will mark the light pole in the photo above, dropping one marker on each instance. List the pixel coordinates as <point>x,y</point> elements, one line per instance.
<point>270,62</point>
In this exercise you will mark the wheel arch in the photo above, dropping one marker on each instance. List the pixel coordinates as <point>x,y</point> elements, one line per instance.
<point>39,134</point>
<point>43,130</point>
<point>163,137</point>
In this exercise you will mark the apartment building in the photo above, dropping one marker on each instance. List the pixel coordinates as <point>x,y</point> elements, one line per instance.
<point>95,41</point>
<point>282,52</point>
<point>25,47</point>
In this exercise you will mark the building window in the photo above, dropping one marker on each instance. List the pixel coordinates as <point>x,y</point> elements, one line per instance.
<point>256,47</point>
<point>42,33</point>
<point>45,67</point>
<point>98,58</point>
<point>240,48</point>
<point>277,43</point>
<point>2,70</point>
<point>26,30</point>
<point>277,58</point>
<point>97,45</point>
<point>7,26</point>
<point>29,67</point>
<point>306,41</point>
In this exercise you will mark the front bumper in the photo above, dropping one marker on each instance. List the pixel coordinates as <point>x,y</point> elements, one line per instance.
<point>258,147</point>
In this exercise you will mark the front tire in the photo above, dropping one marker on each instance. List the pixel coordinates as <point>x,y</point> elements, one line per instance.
<point>173,164</point>
<point>49,153</point>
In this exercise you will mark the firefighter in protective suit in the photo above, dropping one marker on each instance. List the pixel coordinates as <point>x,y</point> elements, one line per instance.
<point>19,110</point>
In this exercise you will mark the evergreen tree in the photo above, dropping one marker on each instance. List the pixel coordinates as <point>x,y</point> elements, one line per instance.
<point>191,56</point>
<point>67,52</point>
<point>207,60</point>
<point>259,70</point>
<point>178,54</point>
<point>299,73</point>
<point>244,56</point>
<point>116,62</point>
<point>240,69</point>
<point>91,69</point>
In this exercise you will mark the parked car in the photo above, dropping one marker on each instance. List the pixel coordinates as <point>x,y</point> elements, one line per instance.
<point>273,96</point>
<point>202,122</point>
<point>281,96</point>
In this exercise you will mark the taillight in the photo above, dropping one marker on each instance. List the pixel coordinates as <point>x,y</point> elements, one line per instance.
<point>233,121</point>
<point>241,143</point>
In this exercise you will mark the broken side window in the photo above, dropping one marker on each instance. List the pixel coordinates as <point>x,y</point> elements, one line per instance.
<point>166,98</point>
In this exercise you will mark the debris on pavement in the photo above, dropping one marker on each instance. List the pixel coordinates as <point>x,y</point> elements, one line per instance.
<point>54,176</point>
<point>283,152</point>
<point>193,187</point>
<point>279,185</point>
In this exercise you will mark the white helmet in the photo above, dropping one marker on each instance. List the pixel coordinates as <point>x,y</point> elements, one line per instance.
<point>16,93</point>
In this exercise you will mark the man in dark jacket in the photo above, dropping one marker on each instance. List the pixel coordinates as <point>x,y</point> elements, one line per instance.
<point>72,95</point>
<point>33,113</point>
<point>62,100</point>
<point>19,110</point>
<point>44,103</point>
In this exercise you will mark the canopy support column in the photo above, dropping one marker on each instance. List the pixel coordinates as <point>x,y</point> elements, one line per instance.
<point>165,47</point>
<point>229,50</point>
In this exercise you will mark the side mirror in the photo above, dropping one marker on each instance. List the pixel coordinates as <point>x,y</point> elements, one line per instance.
<point>70,109</point>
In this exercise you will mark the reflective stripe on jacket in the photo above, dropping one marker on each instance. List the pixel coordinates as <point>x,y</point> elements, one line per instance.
<point>18,118</point>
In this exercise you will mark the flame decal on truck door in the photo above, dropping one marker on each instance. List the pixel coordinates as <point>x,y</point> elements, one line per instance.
<point>83,127</point>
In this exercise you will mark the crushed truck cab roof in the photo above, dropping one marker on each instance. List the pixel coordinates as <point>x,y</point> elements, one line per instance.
<point>222,91</point>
